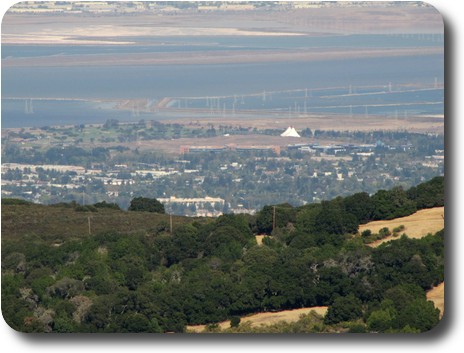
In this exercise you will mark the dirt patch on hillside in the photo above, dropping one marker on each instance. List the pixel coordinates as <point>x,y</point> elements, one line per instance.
<point>267,318</point>
<point>417,225</point>
<point>259,238</point>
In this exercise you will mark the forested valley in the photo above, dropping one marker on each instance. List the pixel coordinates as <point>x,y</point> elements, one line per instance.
<point>150,274</point>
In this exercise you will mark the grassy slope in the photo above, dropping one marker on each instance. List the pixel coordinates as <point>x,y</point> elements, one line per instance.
<point>61,223</point>
<point>417,225</point>
<point>267,318</point>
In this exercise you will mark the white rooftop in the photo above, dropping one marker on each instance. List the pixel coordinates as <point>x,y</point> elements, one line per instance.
<point>290,132</point>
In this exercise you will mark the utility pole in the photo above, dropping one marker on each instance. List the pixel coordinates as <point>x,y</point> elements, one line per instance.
<point>88,218</point>
<point>273,217</point>
<point>170,223</point>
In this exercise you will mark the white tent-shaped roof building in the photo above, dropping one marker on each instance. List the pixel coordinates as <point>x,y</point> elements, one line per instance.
<point>290,132</point>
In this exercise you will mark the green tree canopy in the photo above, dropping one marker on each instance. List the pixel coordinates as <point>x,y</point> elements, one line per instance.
<point>429,194</point>
<point>392,204</point>
<point>147,205</point>
<point>343,309</point>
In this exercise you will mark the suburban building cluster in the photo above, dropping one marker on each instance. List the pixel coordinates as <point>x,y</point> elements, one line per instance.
<point>210,181</point>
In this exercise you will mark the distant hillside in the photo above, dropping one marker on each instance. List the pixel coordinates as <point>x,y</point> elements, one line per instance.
<point>63,222</point>
<point>129,273</point>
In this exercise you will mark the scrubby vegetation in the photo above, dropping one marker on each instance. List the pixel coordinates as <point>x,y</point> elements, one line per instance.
<point>131,274</point>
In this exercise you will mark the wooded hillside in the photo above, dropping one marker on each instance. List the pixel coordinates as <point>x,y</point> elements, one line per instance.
<point>130,274</point>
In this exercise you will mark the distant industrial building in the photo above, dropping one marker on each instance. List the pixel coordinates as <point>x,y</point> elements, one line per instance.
<point>199,201</point>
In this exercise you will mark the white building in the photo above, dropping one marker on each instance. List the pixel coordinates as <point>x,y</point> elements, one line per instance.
<point>290,132</point>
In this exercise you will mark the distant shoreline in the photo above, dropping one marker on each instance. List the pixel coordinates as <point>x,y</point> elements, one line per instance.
<point>218,57</point>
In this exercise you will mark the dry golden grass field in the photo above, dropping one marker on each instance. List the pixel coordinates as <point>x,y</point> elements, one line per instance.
<point>437,296</point>
<point>417,225</point>
<point>267,318</point>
